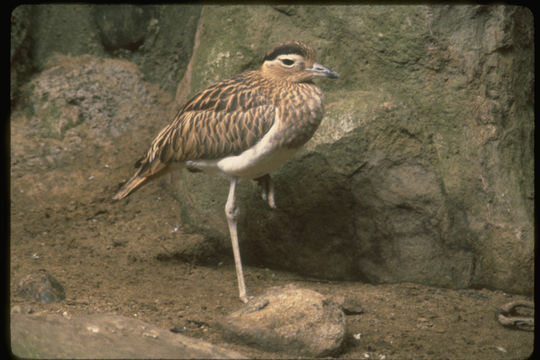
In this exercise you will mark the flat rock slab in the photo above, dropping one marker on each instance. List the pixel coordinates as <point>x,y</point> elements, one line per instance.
<point>287,319</point>
<point>103,336</point>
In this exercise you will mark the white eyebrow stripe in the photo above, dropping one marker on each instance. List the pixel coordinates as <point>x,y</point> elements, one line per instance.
<point>294,57</point>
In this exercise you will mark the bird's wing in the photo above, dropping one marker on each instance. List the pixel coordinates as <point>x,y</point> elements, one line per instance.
<point>225,119</point>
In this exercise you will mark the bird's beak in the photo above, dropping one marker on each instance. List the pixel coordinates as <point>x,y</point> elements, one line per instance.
<point>319,70</point>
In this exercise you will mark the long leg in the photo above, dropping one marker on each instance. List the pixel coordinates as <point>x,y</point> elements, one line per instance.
<point>231,210</point>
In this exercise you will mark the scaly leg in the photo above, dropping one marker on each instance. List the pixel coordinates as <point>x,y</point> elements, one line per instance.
<point>231,210</point>
<point>267,185</point>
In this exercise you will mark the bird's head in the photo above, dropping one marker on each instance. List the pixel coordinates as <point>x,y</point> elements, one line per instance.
<point>294,61</point>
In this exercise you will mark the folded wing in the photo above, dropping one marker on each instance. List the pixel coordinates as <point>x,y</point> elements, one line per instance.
<point>225,119</point>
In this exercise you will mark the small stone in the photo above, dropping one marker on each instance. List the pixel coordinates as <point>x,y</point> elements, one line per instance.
<point>41,286</point>
<point>289,320</point>
<point>151,334</point>
<point>352,306</point>
<point>179,329</point>
<point>92,329</point>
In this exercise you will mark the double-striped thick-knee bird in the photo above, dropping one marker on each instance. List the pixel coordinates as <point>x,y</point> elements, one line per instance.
<point>242,127</point>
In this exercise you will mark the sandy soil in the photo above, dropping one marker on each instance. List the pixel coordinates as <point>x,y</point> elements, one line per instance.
<point>109,257</point>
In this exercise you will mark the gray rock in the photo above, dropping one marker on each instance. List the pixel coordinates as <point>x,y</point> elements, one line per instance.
<point>42,287</point>
<point>122,26</point>
<point>85,94</point>
<point>104,336</point>
<point>422,169</point>
<point>288,320</point>
<point>81,104</point>
<point>20,50</point>
<point>157,38</point>
<point>350,305</point>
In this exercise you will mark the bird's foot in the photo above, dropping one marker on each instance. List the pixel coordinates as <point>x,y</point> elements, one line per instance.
<point>272,203</point>
<point>245,299</point>
<point>269,198</point>
<point>267,193</point>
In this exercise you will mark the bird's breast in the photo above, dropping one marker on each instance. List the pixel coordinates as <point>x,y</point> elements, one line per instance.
<point>301,113</point>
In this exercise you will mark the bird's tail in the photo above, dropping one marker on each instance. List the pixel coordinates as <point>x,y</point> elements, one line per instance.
<point>154,165</point>
<point>130,186</point>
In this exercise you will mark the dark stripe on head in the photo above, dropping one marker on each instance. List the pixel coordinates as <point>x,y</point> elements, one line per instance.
<point>286,48</point>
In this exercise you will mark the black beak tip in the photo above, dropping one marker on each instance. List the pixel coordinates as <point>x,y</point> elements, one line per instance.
<point>333,75</point>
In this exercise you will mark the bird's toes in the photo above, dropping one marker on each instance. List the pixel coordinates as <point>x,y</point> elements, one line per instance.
<point>245,299</point>
<point>269,198</point>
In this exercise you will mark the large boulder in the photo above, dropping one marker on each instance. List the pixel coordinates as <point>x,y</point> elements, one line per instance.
<point>422,169</point>
<point>82,104</point>
<point>157,38</point>
<point>288,319</point>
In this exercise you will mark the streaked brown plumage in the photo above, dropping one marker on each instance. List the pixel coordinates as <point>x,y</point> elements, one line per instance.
<point>243,127</point>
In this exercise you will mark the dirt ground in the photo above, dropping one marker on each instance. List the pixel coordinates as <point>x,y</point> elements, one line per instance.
<point>109,257</point>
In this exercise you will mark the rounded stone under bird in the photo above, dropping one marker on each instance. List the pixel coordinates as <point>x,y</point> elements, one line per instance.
<point>242,127</point>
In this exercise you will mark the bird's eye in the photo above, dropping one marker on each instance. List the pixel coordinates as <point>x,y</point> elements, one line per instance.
<point>287,62</point>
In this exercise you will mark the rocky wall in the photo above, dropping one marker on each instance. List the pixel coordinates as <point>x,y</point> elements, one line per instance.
<point>422,170</point>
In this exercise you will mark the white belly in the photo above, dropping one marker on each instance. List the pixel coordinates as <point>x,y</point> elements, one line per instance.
<point>252,164</point>
<point>260,159</point>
